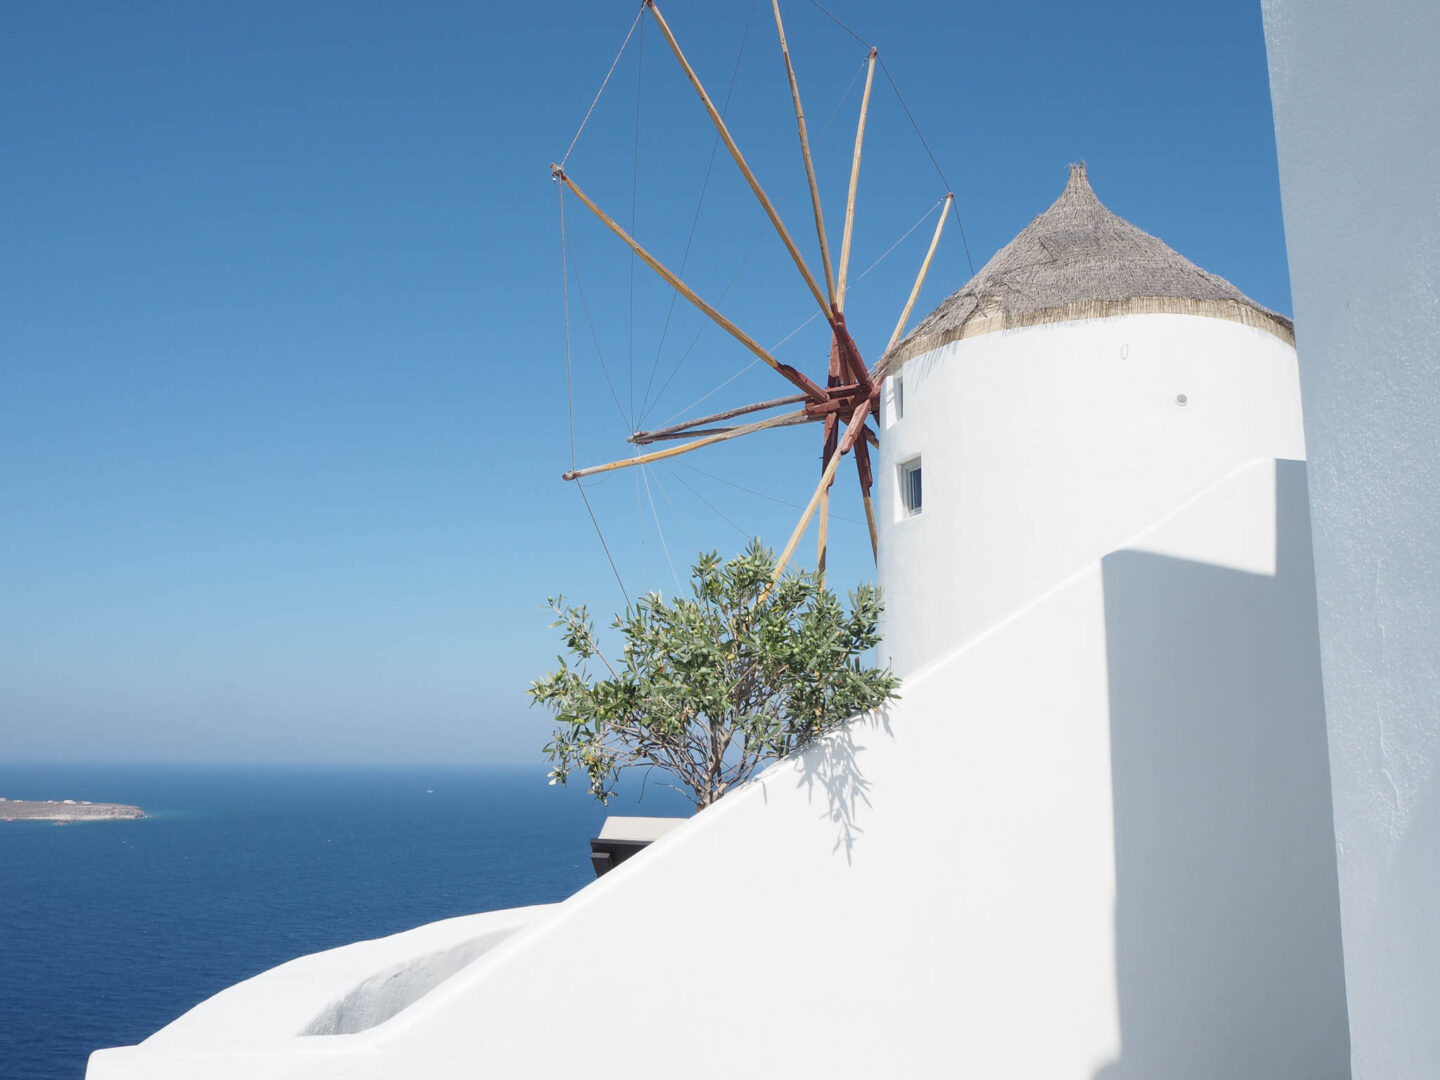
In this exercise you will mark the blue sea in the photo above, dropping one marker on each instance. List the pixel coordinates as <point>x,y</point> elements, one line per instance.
<point>109,930</point>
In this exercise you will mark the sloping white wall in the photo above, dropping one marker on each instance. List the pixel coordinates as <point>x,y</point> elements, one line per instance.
<point>1045,447</point>
<point>1093,843</point>
<point>349,988</point>
<point>1356,89</point>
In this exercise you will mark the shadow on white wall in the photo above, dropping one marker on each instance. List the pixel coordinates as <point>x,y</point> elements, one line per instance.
<point>832,767</point>
<point>1225,858</point>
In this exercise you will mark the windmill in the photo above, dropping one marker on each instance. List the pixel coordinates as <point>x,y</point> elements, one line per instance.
<point>851,392</point>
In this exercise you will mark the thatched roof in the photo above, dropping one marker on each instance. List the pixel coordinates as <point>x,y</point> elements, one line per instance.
<point>1077,260</point>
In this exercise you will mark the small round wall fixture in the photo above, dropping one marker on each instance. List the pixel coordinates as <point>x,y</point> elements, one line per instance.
<point>1181,399</point>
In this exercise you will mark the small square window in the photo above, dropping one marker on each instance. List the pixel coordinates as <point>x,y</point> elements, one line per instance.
<point>910,490</point>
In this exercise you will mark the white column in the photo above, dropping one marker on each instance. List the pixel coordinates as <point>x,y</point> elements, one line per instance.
<point>1356,90</point>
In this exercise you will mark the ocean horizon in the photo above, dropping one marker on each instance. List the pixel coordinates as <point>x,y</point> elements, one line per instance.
<point>112,929</point>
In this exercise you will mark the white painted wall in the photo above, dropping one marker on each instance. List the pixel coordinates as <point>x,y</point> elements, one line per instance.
<point>1092,843</point>
<point>350,988</point>
<point>1356,90</point>
<point>1045,447</point>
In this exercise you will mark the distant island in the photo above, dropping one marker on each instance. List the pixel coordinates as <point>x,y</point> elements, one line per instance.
<point>63,811</point>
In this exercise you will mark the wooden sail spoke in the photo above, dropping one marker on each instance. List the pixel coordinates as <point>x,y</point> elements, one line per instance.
<point>688,433</point>
<point>854,184</point>
<point>811,390</point>
<point>685,427</point>
<point>787,420</point>
<point>739,158</point>
<point>809,162</point>
<point>880,368</point>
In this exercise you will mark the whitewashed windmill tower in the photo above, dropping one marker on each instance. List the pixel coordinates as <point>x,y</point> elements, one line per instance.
<point>1085,381</point>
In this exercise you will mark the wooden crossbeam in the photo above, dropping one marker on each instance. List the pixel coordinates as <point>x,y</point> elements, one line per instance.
<point>852,430</point>
<point>688,433</point>
<point>787,420</point>
<point>851,361</point>
<point>862,467</point>
<point>680,429</point>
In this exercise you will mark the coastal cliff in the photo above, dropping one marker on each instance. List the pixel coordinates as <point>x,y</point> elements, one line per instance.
<point>66,810</point>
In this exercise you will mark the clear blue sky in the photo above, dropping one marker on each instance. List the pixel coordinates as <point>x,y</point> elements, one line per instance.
<point>282,364</point>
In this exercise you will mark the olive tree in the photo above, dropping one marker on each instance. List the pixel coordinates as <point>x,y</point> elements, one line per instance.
<point>712,686</point>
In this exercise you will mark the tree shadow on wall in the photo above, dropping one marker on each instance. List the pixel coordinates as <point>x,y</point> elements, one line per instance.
<point>1227,919</point>
<point>831,765</point>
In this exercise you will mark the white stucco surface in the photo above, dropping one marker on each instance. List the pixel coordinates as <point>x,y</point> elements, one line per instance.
<point>1091,842</point>
<point>1045,447</point>
<point>1356,91</point>
<point>342,990</point>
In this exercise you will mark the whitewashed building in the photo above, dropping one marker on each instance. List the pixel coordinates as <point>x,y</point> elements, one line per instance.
<point>1092,840</point>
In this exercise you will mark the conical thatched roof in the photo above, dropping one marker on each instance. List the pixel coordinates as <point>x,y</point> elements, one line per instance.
<point>1077,260</point>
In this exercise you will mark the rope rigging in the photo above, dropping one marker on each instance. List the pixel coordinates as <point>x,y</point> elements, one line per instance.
<point>634,201</point>
<point>718,512</point>
<point>694,546</point>
<point>909,115</point>
<point>570,390</point>
<point>829,15</point>
<point>658,530</point>
<point>930,154</point>
<point>594,334</point>
<point>758,494</point>
<point>603,83</point>
<point>695,221</point>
